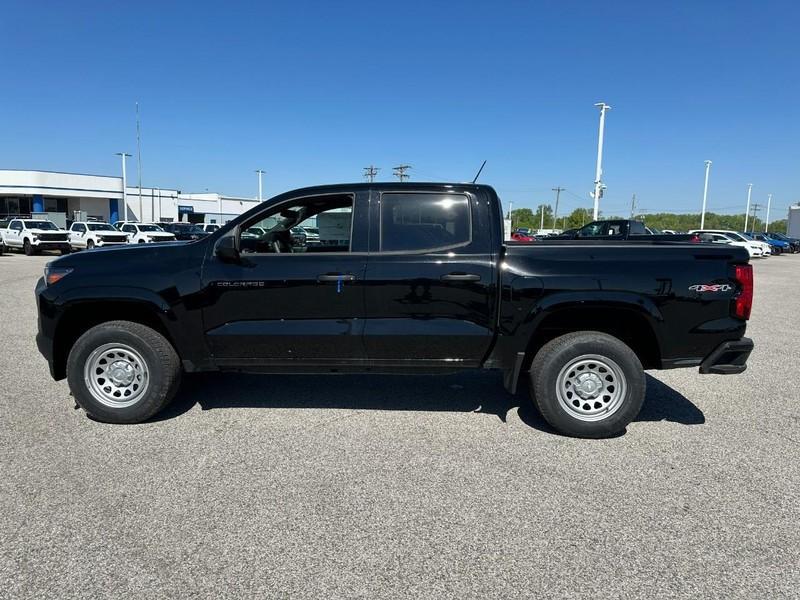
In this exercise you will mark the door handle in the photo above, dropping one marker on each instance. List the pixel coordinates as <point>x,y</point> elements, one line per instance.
<point>333,277</point>
<point>460,277</point>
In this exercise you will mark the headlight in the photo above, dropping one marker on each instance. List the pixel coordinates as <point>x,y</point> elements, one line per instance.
<point>34,236</point>
<point>55,274</point>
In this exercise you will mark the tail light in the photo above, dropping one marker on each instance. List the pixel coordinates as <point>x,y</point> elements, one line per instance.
<point>744,301</point>
<point>695,239</point>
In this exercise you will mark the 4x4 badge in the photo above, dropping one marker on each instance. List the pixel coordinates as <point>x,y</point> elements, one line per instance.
<point>716,287</point>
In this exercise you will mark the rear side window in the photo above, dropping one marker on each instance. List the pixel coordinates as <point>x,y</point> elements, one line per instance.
<point>416,222</point>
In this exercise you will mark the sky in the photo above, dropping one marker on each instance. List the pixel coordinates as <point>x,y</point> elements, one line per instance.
<point>312,92</point>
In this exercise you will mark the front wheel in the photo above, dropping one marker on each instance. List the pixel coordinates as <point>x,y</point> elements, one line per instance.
<point>587,384</point>
<point>27,248</point>
<point>90,244</point>
<point>123,372</point>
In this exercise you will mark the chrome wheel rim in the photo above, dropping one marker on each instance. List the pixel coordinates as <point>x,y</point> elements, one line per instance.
<point>591,387</point>
<point>116,375</point>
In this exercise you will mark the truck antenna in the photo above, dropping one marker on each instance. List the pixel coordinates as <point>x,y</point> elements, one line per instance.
<point>478,174</point>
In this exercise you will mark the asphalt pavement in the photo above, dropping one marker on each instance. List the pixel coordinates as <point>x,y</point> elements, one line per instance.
<point>402,487</point>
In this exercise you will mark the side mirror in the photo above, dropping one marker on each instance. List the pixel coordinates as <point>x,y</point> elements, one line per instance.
<point>226,249</point>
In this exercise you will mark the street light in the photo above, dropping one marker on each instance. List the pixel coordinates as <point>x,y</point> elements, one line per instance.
<point>598,176</point>
<point>260,173</point>
<point>705,197</point>
<point>747,210</point>
<point>124,155</point>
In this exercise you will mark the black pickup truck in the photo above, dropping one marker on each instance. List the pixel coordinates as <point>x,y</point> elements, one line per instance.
<point>411,278</point>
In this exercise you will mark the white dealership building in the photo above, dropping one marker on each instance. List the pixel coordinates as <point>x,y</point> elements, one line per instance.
<point>70,195</point>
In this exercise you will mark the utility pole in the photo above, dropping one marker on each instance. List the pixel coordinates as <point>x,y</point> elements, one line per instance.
<point>541,226</point>
<point>558,191</point>
<point>370,172</point>
<point>756,208</point>
<point>400,172</point>
<point>633,205</point>
<point>124,155</point>
<point>747,210</point>
<point>139,159</point>
<point>705,197</point>
<point>769,204</point>
<point>598,175</point>
<point>260,189</point>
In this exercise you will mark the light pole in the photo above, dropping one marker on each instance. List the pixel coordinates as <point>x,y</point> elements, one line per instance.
<point>747,210</point>
<point>139,160</point>
<point>769,203</point>
<point>260,173</point>
<point>124,155</point>
<point>598,175</point>
<point>705,197</point>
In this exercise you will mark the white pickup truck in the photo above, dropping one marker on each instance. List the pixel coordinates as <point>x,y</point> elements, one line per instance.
<point>34,235</point>
<point>92,234</point>
<point>145,233</point>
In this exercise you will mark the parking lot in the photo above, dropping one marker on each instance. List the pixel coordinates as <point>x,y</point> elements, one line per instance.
<point>412,487</point>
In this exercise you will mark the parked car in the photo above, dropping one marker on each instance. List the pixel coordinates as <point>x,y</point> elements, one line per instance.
<point>794,243</point>
<point>184,232</point>
<point>34,235</point>
<point>519,236</point>
<point>3,225</point>
<point>94,234</point>
<point>146,233</point>
<point>755,249</point>
<point>766,249</point>
<point>778,246</point>
<point>311,233</point>
<point>419,281</point>
<point>210,227</point>
<point>622,229</point>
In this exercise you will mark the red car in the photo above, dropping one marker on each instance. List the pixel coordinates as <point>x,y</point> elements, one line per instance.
<point>521,237</point>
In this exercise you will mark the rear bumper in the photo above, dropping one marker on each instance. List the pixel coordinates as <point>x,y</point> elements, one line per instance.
<point>729,358</point>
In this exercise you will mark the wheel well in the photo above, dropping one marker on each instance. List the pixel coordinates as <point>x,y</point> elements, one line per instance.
<point>80,318</point>
<point>624,324</point>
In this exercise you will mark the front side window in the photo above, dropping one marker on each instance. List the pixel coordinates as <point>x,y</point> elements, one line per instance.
<point>280,230</point>
<point>417,222</point>
<point>100,227</point>
<point>128,229</point>
<point>16,225</point>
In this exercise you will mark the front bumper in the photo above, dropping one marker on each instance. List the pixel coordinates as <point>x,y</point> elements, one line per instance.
<point>729,358</point>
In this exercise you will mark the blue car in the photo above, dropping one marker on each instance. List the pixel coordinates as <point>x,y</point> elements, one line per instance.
<point>778,246</point>
<point>794,243</point>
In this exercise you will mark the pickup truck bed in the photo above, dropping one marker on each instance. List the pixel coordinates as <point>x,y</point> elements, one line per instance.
<point>406,278</point>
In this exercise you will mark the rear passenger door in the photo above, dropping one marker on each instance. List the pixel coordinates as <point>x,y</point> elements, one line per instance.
<point>13,236</point>
<point>430,279</point>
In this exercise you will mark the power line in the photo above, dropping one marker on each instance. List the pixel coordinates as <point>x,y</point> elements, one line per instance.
<point>400,172</point>
<point>370,172</point>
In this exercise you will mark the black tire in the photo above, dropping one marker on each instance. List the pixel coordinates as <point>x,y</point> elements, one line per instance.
<point>27,248</point>
<point>159,356</point>
<point>558,354</point>
<point>66,250</point>
<point>142,242</point>
<point>90,244</point>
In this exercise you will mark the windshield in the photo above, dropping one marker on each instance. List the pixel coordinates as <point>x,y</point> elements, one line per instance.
<point>45,225</point>
<point>746,236</point>
<point>100,227</point>
<point>150,228</point>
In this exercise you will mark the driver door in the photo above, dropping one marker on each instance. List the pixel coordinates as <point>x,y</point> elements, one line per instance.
<point>279,306</point>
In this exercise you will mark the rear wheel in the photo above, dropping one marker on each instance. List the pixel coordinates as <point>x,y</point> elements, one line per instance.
<point>123,372</point>
<point>587,384</point>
